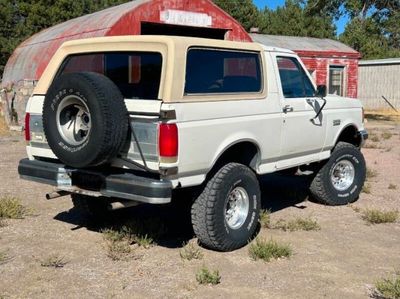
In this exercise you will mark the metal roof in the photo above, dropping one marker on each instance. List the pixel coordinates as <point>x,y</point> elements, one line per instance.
<point>30,58</point>
<point>380,61</point>
<point>296,43</point>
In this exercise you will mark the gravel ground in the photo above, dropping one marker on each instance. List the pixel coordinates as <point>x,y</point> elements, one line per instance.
<point>341,260</point>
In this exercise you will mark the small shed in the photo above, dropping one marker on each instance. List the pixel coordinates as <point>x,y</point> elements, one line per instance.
<point>330,62</point>
<point>378,79</point>
<point>200,18</point>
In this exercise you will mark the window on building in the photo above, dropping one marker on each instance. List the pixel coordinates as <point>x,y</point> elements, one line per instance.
<point>295,83</point>
<point>222,71</point>
<point>136,74</point>
<point>336,80</point>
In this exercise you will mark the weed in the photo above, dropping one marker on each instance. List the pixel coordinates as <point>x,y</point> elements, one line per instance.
<point>355,209</point>
<point>205,276</point>
<point>53,261</point>
<point>4,257</point>
<point>388,288</point>
<point>371,173</point>
<point>392,187</point>
<point>366,188</point>
<point>191,251</point>
<point>306,224</point>
<point>2,223</point>
<point>375,138</point>
<point>265,218</point>
<point>267,250</point>
<point>118,251</point>
<point>387,135</point>
<point>11,208</point>
<point>144,241</point>
<point>374,216</point>
<point>371,145</point>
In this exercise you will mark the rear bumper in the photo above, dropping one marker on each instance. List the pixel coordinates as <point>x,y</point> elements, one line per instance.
<point>364,136</point>
<point>123,185</point>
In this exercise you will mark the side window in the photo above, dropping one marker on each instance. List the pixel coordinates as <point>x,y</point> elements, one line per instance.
<point>137,74</point>
<point>221,71</point>
<point>295,83</point>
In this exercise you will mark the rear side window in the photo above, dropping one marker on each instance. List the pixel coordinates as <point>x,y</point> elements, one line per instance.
<point>137,74</point>
<point>295,83</point>
<point>222,71</point>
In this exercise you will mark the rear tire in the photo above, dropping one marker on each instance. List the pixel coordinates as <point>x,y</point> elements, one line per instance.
<point>91,207</point>
<point>340,180</point>
<point>225,215</point>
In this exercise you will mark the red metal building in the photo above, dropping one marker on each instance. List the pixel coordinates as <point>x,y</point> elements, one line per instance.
<point>201,18</point>
<point>330,62</point>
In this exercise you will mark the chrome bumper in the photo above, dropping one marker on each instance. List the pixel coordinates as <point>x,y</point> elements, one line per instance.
<point>127,186</point>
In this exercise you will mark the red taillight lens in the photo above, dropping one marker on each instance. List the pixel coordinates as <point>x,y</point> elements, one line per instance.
<point>27,127</point>
<point>168,140</point>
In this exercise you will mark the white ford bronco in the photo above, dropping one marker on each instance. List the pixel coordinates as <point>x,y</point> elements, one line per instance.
<point>118,121</point>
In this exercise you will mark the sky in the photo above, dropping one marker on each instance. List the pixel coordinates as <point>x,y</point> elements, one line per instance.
<point>340,24</point>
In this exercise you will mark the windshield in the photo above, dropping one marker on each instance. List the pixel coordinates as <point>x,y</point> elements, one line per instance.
<point>136,74</point>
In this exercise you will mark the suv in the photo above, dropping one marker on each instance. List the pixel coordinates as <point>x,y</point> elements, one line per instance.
<point>118,121</point>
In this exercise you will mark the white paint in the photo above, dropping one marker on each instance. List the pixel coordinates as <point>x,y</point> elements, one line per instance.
<point>188,18</point>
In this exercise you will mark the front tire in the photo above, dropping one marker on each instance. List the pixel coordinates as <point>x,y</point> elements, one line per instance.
<point>340,180</point>
<point>225,215</point>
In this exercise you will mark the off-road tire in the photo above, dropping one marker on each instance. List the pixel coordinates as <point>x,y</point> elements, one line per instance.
<point>91,207</point>
<point>322,188</point>
<point>208,210</point>
<point>108,119</point>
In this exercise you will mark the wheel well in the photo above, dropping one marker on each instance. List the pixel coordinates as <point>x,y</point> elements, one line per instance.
<point>350,135</point>
<point>245,153</point>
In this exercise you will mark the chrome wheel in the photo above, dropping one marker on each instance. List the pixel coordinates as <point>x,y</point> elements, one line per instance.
<point>237,208</point>
<point>342,175</point>
<point>73,120</point>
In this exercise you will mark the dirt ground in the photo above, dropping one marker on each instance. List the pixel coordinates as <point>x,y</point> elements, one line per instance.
<point>341,260</point>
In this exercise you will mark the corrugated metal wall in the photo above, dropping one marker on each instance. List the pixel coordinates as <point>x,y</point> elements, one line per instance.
<point>377,80</point>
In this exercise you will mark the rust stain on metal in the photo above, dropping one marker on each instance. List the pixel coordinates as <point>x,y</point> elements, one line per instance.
<point>30,59</point>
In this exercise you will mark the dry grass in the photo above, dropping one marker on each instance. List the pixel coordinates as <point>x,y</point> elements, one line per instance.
<point>11,208</point>
<point>375,216</point>
<point>388,288</point>
<point>375,138</point>
<point>387,135</point>
<point>4,257</point>
<point>267,250</point>
<point>371,173</point>
<point>4,131</point>
<point>118,251</point>
<point>306,224</point>
<point>366,188</point>
<point>371,145</point>
<point>265,218</point>
<point>206,276</point>
<point>53,261</point>
<point>191,251</point>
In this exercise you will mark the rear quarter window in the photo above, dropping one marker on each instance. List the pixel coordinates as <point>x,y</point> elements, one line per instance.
<point>215,71</point>
<point>136,74</point>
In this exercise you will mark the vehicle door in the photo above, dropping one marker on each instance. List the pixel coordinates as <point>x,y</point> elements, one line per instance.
<point>302,134</point>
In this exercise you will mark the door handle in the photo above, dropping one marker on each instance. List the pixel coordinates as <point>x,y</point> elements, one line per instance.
<point>287,109</point>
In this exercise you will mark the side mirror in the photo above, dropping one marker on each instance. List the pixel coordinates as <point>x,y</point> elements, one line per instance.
<point>321,91</point>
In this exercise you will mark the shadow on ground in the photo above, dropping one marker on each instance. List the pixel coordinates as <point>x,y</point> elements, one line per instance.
<point>170,225</point>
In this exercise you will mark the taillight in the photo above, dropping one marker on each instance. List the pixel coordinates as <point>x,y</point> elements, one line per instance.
<point>27,127</point>
<point>168,140</point>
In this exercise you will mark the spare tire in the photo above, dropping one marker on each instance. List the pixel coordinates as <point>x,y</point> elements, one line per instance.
<point>85,119</point>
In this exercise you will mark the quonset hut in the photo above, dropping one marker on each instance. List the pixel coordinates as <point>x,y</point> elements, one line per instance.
<point>200,18</point>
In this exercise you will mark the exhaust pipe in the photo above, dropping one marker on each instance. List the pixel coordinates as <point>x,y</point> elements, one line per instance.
<point>118,205</point>
<point>57,194</point>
